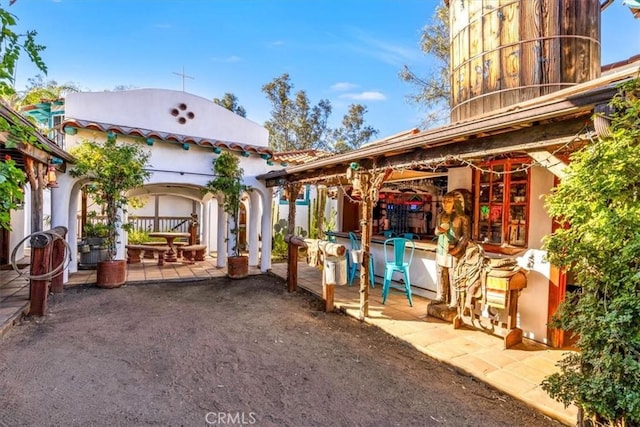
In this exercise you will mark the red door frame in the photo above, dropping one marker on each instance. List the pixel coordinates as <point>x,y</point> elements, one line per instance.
<point>557,338</point>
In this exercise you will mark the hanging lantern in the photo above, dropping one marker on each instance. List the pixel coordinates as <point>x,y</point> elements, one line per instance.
<point>52,179</point>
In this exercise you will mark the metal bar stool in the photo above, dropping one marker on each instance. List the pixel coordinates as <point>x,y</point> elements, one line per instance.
<point>396,247</point>
<point>354,266</point>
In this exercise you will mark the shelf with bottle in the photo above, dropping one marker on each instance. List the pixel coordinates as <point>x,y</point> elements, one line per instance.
<point>502,191</point>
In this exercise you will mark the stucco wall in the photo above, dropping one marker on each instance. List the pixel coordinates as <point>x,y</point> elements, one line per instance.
<point>152,109</point>
<point>534,300</point>
<point>170,163</point>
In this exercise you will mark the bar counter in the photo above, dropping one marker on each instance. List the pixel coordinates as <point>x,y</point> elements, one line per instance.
<point>423,267</point>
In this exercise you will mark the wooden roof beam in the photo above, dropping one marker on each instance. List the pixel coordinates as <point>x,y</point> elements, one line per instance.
<point>549,161</point>
<point>561,133</point>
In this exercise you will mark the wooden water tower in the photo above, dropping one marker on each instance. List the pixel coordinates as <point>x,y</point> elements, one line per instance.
<point>507,51</point>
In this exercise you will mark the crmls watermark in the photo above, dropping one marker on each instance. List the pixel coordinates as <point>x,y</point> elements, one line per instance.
<point>231,418</point>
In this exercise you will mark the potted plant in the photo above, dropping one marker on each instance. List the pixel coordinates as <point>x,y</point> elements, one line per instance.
<point>94,231</point>
<point>228,182</point>
<point>92,248</point>
<point>114,168</point>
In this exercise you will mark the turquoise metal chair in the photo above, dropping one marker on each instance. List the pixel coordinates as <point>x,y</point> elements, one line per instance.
<point>410,236</point>
<point>354,266</point>
<point>396,246</point>
<point>389,233</point>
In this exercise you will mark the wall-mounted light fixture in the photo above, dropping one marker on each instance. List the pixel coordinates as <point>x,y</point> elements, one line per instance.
<point>50,177</point>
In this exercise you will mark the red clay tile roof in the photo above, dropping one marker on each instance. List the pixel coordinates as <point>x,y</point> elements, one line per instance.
<point>165,136</point>
<point>299,157</point>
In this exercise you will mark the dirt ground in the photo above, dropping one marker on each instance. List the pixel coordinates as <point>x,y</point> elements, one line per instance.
<point>228,353</point>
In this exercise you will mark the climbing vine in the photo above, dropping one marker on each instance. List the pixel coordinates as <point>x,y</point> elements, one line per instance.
<point>600,202</point>
<point>12,178</point>
<point>11,194</point>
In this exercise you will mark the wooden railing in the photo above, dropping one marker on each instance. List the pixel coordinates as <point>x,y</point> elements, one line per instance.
<point>151,223</point>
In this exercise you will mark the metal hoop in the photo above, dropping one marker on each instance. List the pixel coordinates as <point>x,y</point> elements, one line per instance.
<point>53,273</point>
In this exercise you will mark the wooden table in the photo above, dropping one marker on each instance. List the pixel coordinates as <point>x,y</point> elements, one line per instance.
<point>169,236</point>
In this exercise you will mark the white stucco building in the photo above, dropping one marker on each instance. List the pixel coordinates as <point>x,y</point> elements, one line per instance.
<point>184,134</point>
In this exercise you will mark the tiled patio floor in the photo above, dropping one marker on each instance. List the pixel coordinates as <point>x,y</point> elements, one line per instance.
<point>517,371</point>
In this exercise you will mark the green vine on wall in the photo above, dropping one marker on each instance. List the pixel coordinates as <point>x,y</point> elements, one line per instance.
<point>599,200</point>
<point>13,44</point>
<point>11,193</point>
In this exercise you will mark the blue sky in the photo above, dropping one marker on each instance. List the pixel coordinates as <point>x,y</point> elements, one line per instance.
<point>346,51</point>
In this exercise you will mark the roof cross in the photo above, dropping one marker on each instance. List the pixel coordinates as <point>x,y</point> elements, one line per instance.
<point>183,75</point>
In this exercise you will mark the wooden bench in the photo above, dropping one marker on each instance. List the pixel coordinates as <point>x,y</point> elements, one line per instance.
<point>178,247</point>
<point>134,251</point>
<point>191,253</point>
<point>150,254</point>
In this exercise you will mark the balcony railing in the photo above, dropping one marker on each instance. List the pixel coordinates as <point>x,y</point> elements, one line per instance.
<point>151,223</point>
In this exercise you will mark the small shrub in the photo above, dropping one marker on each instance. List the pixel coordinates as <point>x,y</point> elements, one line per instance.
<point>137,237</point>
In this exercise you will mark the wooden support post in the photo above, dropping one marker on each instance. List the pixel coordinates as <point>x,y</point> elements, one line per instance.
<point>513,335</point>
<point>328,292</point>
<point>328,296</point>
<point>327,249</point>
<point>193,229</point>
<point>365,226</point>
<point>292,261</point>
<point>292,270</point>
<point>58,258</point>
<point>367,183</point>
<point>40,265</point>
<point>292,189</point>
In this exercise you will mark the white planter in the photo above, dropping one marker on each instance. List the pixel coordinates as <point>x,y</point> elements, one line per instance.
<point>356,256</point>
<point>335,270</point>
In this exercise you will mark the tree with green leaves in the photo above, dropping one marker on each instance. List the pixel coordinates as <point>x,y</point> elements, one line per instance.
<point>227,181</point>
<point>113,168</point>
<point>11,194</point>
<point>353,133</point>
<point>434,90</point>
<point>294,123</point>
<point>599,200</point>
<point>230,102</point>
<point>13,45</point>
<point>40,90</point>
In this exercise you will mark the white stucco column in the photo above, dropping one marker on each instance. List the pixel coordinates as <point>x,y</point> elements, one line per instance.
<point>19,218</point>
<point>122,236</point>
<point>231,239</point>
<point>61,199</point>
<point>265,262</point>
<point>72,224</point>
<point>255,211</point>
<point>214,209</point>
<point>204,222</point>
<point>59,206</point>
<point>222,235</point>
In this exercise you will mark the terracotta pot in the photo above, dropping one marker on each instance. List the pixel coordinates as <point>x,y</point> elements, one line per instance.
<point>237,267</point>
<point>111,274</point>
